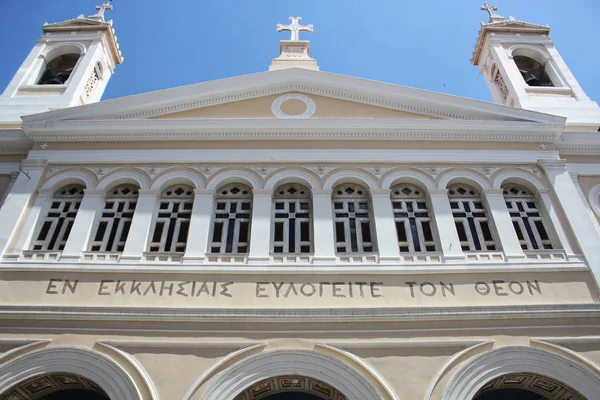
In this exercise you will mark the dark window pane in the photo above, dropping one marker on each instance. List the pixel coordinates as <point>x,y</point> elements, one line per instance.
<point>366,231</point>
<point>44,230</point>
<point>278,249</point>
<point>217,232</point>
<point>427,234</point>
<point>305,231</point>
<point>100,231</point>
<point>125,231</point>
<point>183,231</point>
<point>541,230</point>
<point>339,232</point>
<point>462,234</point>
<point>278,231</point>
<point>245,206</point>
<point>485,229</point>
<point>401,231</point>
<point>518,230</point>
<point>243,231</point>
<point>158,231</point>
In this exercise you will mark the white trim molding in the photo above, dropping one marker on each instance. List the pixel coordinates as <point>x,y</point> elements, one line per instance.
<point>106,373</point>
<point>311,107</point>
<point>514,359</point>
<point>304,363</point>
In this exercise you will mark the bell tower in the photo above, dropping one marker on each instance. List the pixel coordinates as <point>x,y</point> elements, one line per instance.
<point>523,68</point>
<point>69,65</point>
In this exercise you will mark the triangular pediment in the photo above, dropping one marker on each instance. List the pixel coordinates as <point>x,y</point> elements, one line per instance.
<point>76,23</point>
<point>309,103</point>
<point>293,105</point>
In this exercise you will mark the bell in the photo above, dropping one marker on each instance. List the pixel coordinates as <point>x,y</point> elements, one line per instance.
<point>530,78</point>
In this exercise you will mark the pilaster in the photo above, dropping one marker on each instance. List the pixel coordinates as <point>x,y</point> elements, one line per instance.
<point>260,227</point>
<point>574,209</point>
<point>561,233</point>
<point>141,224</point>
<point>18,200</point>
<point>323,226</point>
<point>200,225</point>
<point>38,210</point>
<point>444,221</point>
<point>77,242</point>
<point>509,241</point>
<point>387,237</point>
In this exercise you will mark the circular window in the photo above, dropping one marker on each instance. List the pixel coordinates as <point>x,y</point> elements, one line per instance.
<point>293,106</point>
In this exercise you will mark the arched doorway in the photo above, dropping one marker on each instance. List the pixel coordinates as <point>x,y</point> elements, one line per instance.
<point>56,386</point>
<point>291,388</point>
<point>526,386</point>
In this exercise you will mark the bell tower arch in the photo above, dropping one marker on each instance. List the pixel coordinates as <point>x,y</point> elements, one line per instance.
<point>70,65</point>
<point>522,68</point>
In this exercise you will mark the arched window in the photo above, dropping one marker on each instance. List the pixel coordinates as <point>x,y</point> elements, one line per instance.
<point>470,218</point>
<point>533,72</point>
<point>58,70</point>
<point>173,219</point>
<point>411,215</point>
<point>93,80</point>
<point>496,77</point>
<point>56,227</point>
<point>527,218</point>
<point>115,221</point>
<point>231,222</point>
<point>353,222</point>
<point>292,223</point>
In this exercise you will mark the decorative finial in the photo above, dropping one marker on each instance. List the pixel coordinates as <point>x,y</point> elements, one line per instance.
<point>491,9</point>
<point>102,8</point>
<point>295,28</point>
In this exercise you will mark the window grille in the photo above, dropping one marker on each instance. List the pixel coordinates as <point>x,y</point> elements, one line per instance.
<point>352,217</point>
<point>292,225</point>
<point>115,221</point>
<point>470,218</point>
<point>411,215</point>
<point>57,225</point>
<point>527,218</point>
<point>173,220</point>
<point>231,223</point>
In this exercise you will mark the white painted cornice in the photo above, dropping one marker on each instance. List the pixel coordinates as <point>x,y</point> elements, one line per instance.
<point>294,79</point>
<point>313,129</point>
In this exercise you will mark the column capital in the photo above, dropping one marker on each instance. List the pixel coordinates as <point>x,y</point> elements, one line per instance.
<point>438,193</point>
<point>381,192</point>
<point>556,166</point>
<point>321,192</point>
<point>94,192</point>
<point>44,192</point>
<point>34,163</point>
<point>148,192</point>
<point>493,192</point>
<point>205,192</point>
<point>543,192</point>
<point>262,192</point>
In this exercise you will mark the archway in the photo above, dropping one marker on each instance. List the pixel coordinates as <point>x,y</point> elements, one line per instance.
<point>526,386</point>
<point>291,387</point>
<point>56,386</point>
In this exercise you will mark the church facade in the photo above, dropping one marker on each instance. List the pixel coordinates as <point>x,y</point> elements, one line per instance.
<point>298,234</point>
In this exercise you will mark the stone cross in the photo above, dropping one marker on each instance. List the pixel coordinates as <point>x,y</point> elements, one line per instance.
<point>295,28</point>
<point>102,8</point>
<point>490,9</point>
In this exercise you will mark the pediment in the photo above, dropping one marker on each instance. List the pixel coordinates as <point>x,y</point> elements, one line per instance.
<point>294,105</point>
<point>75,23</point>
<point>342,107</point>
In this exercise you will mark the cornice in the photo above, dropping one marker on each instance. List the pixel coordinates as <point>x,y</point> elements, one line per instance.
<point>328,315</point>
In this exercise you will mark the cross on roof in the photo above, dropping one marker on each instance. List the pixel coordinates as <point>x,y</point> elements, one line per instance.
<point>102,8</point>
<point>491,9</point>
<point>295,28</point>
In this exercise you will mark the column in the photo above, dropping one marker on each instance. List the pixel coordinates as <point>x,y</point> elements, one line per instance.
<point>18,200</point>
<point>260,227</point>
<point>574,209</point>
<point>387,237</point>
<point>200,225</point>
<point>81,231</point>
<point>38,210</point>
<point>444,222</point>
<point>141,224</point>
<point>509,241</point>
<point>557,225</point>
<point>323,239</point>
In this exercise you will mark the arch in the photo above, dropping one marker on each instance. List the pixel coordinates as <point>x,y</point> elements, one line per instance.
<point>347,176</point>
<point>176,176</point>
<point>463,176</point>
<point>306,178</point>
<point>121,176</point>
<point>513,359</point>
<point>529,51</point>
<point>71,176</point>
<point>518,176</point>
<point>60,49</point>
<point>408,176</point>
<point>90,364</point>
<point>250,178</point>
<point>593,198</point>
<point>305,363</point>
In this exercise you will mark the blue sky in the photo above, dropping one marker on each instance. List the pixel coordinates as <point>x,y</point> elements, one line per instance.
<point>425,44</point>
